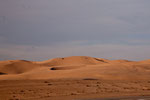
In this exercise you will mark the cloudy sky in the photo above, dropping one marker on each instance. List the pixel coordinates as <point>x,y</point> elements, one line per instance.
<point>44,29</point>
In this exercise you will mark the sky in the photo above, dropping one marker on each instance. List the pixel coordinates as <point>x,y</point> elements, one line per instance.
<point>43,29</point>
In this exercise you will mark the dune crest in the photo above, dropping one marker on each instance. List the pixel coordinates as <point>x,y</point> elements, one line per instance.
<point>74,60</point>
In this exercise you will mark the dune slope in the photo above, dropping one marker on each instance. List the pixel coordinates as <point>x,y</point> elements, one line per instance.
<point>17,66</point>
<point>74,60</point>
<point>75,67</point>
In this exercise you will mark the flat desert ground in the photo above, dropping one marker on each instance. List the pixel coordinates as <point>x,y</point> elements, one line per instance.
<point>73,78</point>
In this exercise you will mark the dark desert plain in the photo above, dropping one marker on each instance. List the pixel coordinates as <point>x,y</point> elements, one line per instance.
<point>74,78</point>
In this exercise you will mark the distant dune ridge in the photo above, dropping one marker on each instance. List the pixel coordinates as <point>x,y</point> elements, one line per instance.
<point>77,67</point>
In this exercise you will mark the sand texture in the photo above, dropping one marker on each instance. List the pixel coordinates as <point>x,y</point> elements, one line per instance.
<point>73,78</point>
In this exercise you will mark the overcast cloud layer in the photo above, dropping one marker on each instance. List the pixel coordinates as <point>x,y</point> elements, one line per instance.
<point>44,29</point>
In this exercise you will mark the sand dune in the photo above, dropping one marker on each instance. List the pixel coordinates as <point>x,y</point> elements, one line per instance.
<point>77,67</point>
<point>73,78</point>
<point>121,61</point>
<point>75,60</point>
<point>145,61</point>
<point>17,66</point>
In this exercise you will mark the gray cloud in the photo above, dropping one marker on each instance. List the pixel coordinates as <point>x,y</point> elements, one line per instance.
<point>49,23</point>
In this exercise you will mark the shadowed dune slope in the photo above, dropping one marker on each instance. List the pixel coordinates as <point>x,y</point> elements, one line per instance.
<point>17,66</point>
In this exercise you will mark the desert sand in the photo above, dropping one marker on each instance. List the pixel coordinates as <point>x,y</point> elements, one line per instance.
<point>73,78</point>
